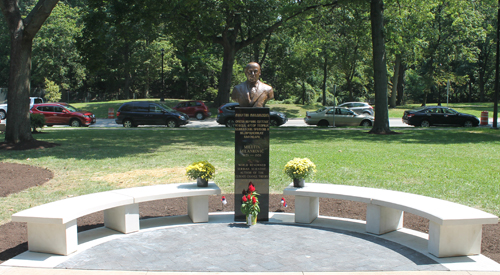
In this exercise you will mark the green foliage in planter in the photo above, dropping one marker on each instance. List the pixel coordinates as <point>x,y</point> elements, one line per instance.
<point>36,121</point>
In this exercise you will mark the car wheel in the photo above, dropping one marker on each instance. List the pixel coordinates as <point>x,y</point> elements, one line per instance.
<point>172,123</point>
<point>3,115</point>
<point>127,123</point>
<point>366,123</point>
<point>273,122</point>
<point>468,123</point>
<point>230,123</point>
<point>425,123</point>
<point>75,123</point>
<point>200,116</point>
<point>323,123</point>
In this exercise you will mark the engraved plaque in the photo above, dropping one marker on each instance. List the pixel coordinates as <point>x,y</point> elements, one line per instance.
<point>252,158</point>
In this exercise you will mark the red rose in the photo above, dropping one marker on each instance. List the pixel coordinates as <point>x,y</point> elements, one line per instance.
<point>251,187</point>
<point>249,197</point>
<point>244,199</point>
<point>254,200</point>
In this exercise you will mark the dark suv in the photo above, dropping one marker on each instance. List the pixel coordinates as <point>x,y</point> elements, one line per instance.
<point>134,113</point>
<point>227,114</point>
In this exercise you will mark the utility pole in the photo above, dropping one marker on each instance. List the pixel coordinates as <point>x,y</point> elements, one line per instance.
<point>495,97</point>
<point>162,79</point>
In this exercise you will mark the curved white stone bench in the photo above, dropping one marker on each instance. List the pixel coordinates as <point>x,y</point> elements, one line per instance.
<point>454,229</point>
<point>52,227</point>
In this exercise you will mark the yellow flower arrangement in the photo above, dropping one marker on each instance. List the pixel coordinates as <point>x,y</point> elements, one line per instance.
<point>299,168</point>
<point>200,169</point>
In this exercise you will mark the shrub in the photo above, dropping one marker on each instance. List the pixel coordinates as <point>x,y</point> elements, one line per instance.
<point>36,121</point>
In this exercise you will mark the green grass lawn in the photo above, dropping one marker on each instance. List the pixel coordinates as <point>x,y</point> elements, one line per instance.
<point>455,164</point>
<point>100,109</point>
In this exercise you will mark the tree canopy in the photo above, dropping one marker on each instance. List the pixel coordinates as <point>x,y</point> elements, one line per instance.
<point>112,49</point>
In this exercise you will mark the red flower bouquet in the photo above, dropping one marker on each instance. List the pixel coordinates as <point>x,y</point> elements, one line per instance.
<point>250,203</point>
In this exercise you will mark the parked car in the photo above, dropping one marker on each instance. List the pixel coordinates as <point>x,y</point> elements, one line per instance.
<point>438,115</point>
<point>63,114</point>
<point>3,106</point>
<point>194,108</point>
<point>343,117</point>
<point>226,115</point>
<point>358,107</point>
<point>134,113</point>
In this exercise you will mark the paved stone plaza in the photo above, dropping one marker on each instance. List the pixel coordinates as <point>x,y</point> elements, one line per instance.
<point>266,247</point>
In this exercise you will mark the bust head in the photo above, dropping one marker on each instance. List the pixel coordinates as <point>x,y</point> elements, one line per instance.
<point>252,72</point>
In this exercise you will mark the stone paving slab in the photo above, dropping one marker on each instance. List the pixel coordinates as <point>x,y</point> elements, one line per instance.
<point>265,247</point>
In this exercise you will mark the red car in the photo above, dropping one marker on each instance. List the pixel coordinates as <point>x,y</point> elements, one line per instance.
<point>63,114</point>
<point>194,108</point>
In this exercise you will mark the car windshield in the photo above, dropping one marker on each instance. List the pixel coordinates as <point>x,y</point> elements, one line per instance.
<point>166,107</point>
<point>322,109</point>
<point>71,108</point>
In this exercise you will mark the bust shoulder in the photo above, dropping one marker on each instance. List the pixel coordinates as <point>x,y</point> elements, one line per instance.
<point>264,86</point>
<point>240,86</point>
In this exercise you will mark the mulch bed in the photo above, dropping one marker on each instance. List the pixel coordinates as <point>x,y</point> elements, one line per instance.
<point>17,177</point>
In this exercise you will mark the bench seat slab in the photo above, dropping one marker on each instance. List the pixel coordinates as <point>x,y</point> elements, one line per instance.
<point>61,239</point>
<point>124,219</point>
<point>380,219</point>
<point>306,209</point>
<point>454,240</point>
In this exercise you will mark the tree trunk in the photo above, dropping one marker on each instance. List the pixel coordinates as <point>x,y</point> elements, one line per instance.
<point>349,88</point>
<point>402,71</point>
<point>147,84</point>
<point>325,75</point>
<point>395,80</point>
<point>381,125</point>
<point>22,31</point>
<point>256,52</point>
<point>226,76</point>
<point>128,76</point>
<point>229,44</point>
<point>264,55</point>
<point>186,82</point>
<point>18,126</point>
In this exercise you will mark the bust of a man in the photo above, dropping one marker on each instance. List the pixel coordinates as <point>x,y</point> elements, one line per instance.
<point>252,93</point>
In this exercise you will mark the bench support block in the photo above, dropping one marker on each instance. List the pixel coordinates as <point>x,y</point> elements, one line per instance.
<point>59,239</point>
<point>380,219</point>
<point>198,208</point>
<point>456,240</point>
<point>306,209</point>
<point>123,219</point>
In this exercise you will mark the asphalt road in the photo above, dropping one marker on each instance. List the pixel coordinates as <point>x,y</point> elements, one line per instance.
<point>211,123</point>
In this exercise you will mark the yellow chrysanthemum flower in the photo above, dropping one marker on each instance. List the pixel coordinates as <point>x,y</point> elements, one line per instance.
<point>200,169</point>
<point>300,168</point>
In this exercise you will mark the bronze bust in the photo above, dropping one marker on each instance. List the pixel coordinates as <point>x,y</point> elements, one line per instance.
<point>252,93</point>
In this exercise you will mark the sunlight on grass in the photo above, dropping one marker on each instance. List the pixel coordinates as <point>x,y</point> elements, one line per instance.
<point>145,177</point>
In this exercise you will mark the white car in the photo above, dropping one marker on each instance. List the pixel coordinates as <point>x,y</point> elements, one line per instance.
<point>3,107</point>
<point>325,116</point>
